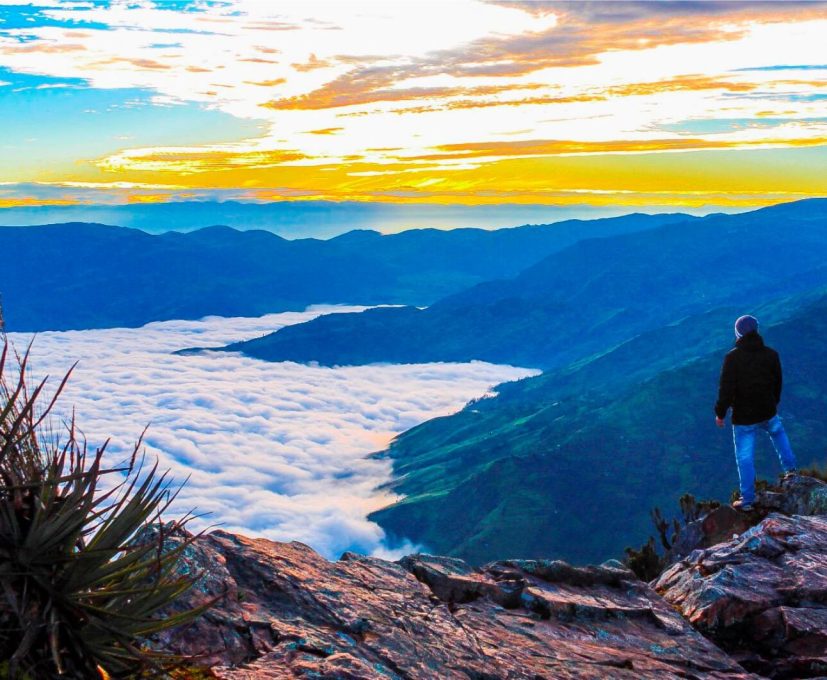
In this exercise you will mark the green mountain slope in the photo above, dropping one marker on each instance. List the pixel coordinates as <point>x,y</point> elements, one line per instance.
<point>568,464</point>
<point>583,299</point>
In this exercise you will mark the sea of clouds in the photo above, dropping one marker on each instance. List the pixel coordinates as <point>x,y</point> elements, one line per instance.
<point>271,449</point>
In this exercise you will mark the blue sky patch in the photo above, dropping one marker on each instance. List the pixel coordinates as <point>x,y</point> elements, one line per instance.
<point>724,125</point>
<point>785,67</point>
<point>94,123</point>
<point>28,16</point>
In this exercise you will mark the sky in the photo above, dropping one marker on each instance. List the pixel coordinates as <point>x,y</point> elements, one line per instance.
<point>278,450</point>
<point>467,102</point>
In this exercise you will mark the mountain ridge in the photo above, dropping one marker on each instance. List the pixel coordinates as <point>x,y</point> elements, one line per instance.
<point>81,275</point>
<point>629,283</point>
<point>305,218</point>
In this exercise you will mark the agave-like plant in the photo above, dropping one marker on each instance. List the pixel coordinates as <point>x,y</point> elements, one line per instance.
<point>80,590</point>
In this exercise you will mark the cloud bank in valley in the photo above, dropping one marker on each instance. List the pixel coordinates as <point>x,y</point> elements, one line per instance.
<point>272,449</point>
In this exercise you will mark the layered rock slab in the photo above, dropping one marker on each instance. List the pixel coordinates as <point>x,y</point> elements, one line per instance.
<point>283,611</point>
<point>762,596</point>
<point>796,495</point>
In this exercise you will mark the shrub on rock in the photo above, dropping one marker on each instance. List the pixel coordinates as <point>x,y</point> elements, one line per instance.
<point>78,594</point>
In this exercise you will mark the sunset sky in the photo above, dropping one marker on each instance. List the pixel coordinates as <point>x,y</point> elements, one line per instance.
<point>458,101</point>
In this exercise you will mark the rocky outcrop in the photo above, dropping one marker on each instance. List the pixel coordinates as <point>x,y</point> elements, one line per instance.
<point>797,495</point>
<point>286,612</point>
<point>751,605</point>
<point>762,596</point>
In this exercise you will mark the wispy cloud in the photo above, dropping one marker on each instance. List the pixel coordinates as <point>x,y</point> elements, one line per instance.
<point>275,450</point>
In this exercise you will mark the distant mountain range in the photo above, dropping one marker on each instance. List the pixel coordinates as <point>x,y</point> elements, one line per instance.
<point>78,275</point>
<point>304,219</point>
<point>582,299</point>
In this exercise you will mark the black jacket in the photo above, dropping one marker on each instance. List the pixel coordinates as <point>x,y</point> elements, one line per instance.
<point>750,382</point>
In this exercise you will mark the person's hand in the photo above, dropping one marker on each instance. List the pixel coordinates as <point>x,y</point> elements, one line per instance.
<point>719,421</point>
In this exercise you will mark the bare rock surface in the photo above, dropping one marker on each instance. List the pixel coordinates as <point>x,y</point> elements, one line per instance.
<point>762,596</point>
<point>746,598</point>
<point>286,612</point>
<point>798,495</point>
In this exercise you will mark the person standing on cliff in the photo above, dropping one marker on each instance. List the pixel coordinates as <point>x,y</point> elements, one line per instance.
<point>750,384</point>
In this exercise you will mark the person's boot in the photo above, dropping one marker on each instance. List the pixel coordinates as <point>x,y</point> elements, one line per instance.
<point>743,507</point>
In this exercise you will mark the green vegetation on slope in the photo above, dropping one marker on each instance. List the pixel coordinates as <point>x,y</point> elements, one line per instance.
<point>568,464</point>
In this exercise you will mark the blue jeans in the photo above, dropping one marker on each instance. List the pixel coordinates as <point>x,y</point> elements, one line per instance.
<point>744,437</point>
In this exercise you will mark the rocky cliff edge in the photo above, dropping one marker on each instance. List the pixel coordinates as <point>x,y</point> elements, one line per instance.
<point>752,606</point>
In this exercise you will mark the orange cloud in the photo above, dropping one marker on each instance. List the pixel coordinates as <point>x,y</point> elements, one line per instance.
<point>267,83</point>
<point>195,161</point>
<point>271,25</point>
<point>148,198</point>
<point>43,48</point>
<point>258,60</point>
<point>312,64</point>
<point>30,201</point>
<point>546,147</point>
<point>688,82</point>
<point>775,114</point>
<point>585,30</point>
<point>325,131</point>
<point>140,64</point>
<point>333,96</point>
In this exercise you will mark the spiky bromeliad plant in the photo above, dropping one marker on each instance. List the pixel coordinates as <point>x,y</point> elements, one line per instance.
<point>79,591</point>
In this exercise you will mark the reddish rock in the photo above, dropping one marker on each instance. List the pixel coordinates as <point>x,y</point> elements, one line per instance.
<point>797,495</point>
<point>286,612</point>
<point>283,611</point>
<point>761,596</point>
